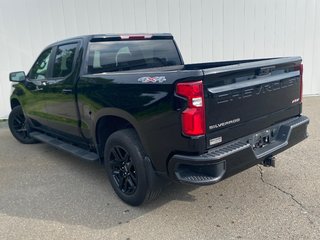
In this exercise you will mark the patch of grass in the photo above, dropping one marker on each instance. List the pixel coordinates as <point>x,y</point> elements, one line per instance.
<point>3,123</point>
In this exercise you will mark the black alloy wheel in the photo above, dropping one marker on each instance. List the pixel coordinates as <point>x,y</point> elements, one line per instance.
<point>130,174</point>
<point>19,126</point>
<point>123,170</point>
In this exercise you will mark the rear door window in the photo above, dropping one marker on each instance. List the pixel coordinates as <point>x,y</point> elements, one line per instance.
<point>63,61</point>
<point>130,55</point>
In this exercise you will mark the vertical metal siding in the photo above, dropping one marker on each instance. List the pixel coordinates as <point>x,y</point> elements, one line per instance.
<point>206,30</point>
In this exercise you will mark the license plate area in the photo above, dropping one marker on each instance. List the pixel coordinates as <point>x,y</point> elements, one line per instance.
<point>263,138</point>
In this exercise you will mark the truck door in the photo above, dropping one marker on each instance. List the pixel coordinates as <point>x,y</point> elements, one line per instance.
<point>34,98</point>
<point>61,106</point>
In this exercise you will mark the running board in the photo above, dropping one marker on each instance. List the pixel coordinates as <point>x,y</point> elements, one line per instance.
<point>77,151</point>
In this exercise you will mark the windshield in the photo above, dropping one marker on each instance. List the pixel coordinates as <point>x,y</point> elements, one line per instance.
<point>131,55</point>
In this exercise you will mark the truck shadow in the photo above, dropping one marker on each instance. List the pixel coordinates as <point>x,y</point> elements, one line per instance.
<point>47,184</point>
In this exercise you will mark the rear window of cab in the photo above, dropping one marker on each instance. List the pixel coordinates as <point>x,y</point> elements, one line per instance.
<point>112,56</point>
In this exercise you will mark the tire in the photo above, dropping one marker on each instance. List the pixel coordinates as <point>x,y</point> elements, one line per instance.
<point>129,170</point>
<point>19,127</point>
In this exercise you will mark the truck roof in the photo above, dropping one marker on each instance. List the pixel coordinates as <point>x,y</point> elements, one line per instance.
<point>116,37</point>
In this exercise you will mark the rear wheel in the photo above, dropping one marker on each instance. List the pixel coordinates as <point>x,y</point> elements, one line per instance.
<point>19,127</point>
<point>125,163</point>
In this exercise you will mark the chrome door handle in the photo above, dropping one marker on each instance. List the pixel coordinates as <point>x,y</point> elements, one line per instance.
<point>66,91</point>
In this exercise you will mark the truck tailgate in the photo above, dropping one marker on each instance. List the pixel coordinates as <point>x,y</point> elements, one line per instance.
<point>245,98</point>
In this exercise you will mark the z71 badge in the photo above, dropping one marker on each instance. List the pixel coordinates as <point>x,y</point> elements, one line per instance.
<point>156,79</point>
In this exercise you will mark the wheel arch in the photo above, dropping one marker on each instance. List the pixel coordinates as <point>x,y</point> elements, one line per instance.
<point>107,124</point>
<point>14,102</point>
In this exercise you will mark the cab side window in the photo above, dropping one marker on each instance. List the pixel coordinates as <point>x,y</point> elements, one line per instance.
<point>40,68</point>
<point>63,61</point>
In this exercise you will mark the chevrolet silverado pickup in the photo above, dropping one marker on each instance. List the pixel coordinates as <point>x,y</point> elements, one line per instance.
<point>130,103</point>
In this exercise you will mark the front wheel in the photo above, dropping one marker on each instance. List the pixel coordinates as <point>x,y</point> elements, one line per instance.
<point>19,127</point>
<point>125,163</point>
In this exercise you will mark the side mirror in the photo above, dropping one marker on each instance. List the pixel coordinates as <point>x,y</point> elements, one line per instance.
<point>17,76</point>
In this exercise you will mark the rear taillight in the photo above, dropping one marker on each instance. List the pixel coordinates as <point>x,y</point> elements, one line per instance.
<point>193,117</point>
<point>301,81</point>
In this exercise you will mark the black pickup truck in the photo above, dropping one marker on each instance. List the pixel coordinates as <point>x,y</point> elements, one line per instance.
<point>130,102</point>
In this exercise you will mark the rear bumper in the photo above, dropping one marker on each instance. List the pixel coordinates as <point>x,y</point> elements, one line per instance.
<point>231,158</point>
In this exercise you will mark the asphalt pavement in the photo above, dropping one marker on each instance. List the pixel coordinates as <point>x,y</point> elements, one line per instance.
<point>48,194</point>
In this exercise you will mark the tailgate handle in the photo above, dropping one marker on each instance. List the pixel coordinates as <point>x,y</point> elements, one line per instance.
<point>265,70</point>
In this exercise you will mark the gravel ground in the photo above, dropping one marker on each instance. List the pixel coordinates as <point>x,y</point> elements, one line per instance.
<point>48,194</point>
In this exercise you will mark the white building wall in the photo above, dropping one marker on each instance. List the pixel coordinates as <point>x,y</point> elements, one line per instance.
<point>205,30</point>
